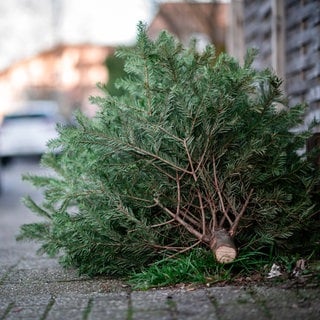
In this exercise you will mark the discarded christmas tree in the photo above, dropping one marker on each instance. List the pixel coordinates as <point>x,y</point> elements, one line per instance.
<point>195,153</point>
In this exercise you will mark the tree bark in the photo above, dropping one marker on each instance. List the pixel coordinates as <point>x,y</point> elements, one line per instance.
<point>223,247</point>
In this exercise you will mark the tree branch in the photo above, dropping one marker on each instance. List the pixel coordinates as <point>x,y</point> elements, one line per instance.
<point>213,210</point>
<point>131,147</point>
<point>233,229</point>
<point>193,231</point>
<point>188,216</point>
<point>193,173</point>
<point>203,216</point>
<point>185,249</point>
<point>178,194</point>
<point>162,224</point>
<point>216,184</point>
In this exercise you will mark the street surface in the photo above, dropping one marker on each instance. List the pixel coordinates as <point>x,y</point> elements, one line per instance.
<point>12,211</point>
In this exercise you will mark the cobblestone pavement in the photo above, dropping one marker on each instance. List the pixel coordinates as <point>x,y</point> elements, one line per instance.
<point>35,287</point>
<point>48,292</point>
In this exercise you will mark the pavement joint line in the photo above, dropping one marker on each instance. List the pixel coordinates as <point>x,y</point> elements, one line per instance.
<point>172,307</point>
<point>87,310</point>
<point>261,302</point>
<point>214,303</point>
<point>7,310</point>
<point>48,308</point>
<point>130,307</point>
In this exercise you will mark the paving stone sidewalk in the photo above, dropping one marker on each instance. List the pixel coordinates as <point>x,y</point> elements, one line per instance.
<point>35,287</point>
<point>45,292</point>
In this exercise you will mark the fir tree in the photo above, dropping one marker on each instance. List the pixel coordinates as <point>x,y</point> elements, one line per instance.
<point>195,153</point>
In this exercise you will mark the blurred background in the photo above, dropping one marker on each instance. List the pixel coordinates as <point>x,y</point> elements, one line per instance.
<point>54,52</point>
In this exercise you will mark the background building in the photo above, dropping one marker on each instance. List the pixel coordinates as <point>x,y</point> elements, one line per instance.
<point>55,49</point>
<point>287,34</point>
<point>207,22</point>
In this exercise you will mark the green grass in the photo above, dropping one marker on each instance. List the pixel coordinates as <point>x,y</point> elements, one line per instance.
<point>198,266</point>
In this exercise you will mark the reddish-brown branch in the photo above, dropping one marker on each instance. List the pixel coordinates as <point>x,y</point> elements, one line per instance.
<point>213,210</point>
<point>178,194</point>
<point>163,171</point>
<point>234,227</point>
<point>233,209</point>
<point>223,219</point>
<point>202,157</point>
<point>187,211</point>
<point>190,160</point>
<point>171,248</point>
<point>192,230</point>
<point>162,224</point>
<point>178,209</point>
<point>184,250</point>
<point>217,187</point>
<point>203,216</point>
<point>191,219</point>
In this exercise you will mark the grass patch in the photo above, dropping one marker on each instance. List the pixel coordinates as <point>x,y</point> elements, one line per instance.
<point>199,267</point>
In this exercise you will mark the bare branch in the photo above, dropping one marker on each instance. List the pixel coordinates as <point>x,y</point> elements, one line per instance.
<point>213,210</point>
<point>171,248</point>
<point>193,231</point>
<point>162,171</point>
<point>203,215</point>
<point>202,157</point>
<point>217,187</point>
<point>185,249</point>
<point>230,206</point>
<point>188,216</point>
<point>233,229</point>
<point>223,219</point>
<point>169,134</point>
<point>178,194</point>
<point>162,224</point>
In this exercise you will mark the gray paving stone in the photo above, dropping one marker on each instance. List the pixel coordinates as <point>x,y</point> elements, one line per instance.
<point>49,274</point>
<point>68,307</point>
<point>194,305</point>
<point>153,314</point>
<point>289,304</point>
<point>151,300</point>
<point>64,314</point>
<point>26,308</point>
<point>110,306</point>
<point>235,303</point>
<point>26,313</point>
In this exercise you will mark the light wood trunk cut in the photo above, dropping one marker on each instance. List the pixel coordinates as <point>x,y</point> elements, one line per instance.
<point>223,247</point>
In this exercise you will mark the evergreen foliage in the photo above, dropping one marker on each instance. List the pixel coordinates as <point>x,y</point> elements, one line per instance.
<point>195,136</point>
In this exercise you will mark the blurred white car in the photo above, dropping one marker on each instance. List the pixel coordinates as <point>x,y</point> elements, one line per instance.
<point>26,134</point>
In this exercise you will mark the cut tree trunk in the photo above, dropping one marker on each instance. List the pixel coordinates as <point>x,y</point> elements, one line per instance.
<point>223,247</point>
